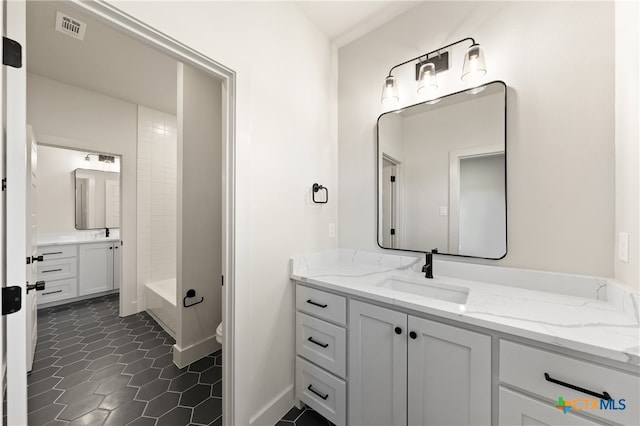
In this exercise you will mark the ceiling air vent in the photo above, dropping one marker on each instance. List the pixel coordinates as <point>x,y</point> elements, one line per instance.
<point>70,26</point>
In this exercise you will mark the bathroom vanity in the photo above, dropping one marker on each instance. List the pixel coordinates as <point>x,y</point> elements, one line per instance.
<point>378,343</point>
<point>77,267</point>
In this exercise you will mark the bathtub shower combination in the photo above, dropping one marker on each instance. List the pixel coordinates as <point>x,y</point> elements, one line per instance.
<point>160,298</point>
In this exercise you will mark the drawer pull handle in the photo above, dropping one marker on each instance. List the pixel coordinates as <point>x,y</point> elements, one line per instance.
<point>52,292</point>
<point>603,395</point>
<point>323,396</point>
<point>324,345</point>
<point>316,304</point>
<point>52,270</point>
<point>53,252</point>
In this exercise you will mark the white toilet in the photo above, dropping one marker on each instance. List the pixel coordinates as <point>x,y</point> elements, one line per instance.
<point>219,333</point>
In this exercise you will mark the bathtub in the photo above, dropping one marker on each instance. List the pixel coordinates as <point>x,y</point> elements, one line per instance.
<point>160,300</point>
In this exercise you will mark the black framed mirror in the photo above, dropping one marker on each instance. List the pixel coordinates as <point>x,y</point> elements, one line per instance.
<point>441,181</point>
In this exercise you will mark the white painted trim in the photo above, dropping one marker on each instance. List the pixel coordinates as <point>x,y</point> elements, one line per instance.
<point>271,413</point>
<point>454,186</point>
<point>185,356</point>
<point>137,29</point>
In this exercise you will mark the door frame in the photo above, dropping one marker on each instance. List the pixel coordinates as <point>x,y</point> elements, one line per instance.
<point>143,32</point>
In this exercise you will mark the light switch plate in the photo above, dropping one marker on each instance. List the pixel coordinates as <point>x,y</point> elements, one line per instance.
<point>443,210</point>
<point>332,230</point>
<point>623,247</point>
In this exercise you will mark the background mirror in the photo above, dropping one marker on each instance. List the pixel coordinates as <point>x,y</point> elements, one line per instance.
<point>441,175</point>
<point>97,199</point>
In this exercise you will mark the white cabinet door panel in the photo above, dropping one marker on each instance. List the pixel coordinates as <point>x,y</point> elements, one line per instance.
<point>377,366</point>
<point>449,375</point>
<point>95,268</point>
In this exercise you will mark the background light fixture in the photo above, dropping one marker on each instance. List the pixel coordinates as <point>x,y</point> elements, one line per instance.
<point>390,90</point>
<point>426,69</point>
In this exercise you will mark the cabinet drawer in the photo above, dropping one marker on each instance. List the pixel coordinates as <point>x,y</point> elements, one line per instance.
<point>322,343</point>
<point>525,367</point>
<point>322,391</point>
<point>57,252</point>
<point>58,290</point>
<point>57,269</point>
<point>517,409</point>
<point>322,304</point>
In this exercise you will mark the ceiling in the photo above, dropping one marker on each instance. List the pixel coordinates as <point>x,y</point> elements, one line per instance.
<point>114,64</point>
<point>106,61</point>
<point>345,21</point>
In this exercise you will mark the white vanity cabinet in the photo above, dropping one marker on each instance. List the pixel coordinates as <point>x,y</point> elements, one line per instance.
<point>58,269</point>
<point>321,354</point>
<point>409,370</point>
<point>548,376</point>
<point>96,267</point>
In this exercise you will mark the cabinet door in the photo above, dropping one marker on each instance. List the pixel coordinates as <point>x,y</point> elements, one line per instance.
<point>449,375</point>
<point>116,265</point>
<point>377,366</point>
<point>519,410</point>
<point>95,268</point>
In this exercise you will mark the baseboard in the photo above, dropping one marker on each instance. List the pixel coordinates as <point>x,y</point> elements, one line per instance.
<point>274,410</point>
<point>185,356</point>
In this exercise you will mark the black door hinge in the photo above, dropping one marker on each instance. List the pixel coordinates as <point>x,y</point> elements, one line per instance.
<point>393,231</point>
<point>11,53</point>
<point>11,299</point>
<point>4,184</point>
<point>393,178</point>
<point>222,280</point>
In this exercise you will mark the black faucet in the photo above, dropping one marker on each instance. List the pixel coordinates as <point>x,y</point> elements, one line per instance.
<point>428,266</point>
<point>106,232</point>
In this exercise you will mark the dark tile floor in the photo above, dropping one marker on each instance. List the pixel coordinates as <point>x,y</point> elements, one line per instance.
<point>304,417</point>
<point>92,367</point>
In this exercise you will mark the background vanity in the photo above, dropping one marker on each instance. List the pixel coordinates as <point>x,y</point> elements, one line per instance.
<point>78,200</point>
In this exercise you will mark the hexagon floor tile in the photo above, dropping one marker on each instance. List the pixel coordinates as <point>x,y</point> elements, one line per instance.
<point>93,368</point>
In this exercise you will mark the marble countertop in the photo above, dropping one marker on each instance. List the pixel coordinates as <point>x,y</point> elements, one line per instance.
<point>592,315</point>
<point>80,237</point>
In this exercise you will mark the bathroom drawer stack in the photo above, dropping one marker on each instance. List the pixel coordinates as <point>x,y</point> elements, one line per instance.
<point>58,270</point>
<point>321,361</point>
<point>529,376</point>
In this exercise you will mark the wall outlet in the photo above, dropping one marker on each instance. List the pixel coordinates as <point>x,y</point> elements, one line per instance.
<point>443,211</point>
<point>623,247</point>
<point>332,230</point>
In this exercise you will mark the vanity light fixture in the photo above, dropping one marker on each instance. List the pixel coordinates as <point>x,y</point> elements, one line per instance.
<point>428,66</point>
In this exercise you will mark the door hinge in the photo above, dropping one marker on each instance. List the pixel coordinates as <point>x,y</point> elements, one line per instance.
<point>11,53</point>
<point>222,280</point>
<point>4,184</point>
<point>11,299</point>
<point>393,231</point>
<point>393,178</point>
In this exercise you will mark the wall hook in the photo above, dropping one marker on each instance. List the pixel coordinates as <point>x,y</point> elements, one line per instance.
<point>191,293</point>
<point>317,187</point>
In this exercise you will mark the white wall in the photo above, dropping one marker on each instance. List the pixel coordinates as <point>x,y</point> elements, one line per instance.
<point>560,120</point>
<point>70,117</point>
<point>56,186</point>
<point>199,211</point>
<point>157,195</point>
<point>627,16</point>
<point>286,141</point>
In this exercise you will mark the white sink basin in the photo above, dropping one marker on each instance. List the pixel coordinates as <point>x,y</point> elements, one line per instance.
<point>427,288</point>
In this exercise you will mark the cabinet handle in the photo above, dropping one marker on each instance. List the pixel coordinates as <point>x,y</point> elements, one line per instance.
<point>324,345</point>
<point>413,334</point>
<point>53,252</point>
<point>603,395</point>
<point>398,330</point>
<point>311,302</point>
<point>323,396</point>
<point>52,270</point>
<point>52,292</point>
<point>110,248</point>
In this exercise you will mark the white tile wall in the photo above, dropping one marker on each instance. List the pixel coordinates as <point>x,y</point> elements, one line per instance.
<point>157,168</point>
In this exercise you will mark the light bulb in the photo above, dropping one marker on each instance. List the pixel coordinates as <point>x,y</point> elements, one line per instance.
<point>389,90</point>
<point>427,81</point>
